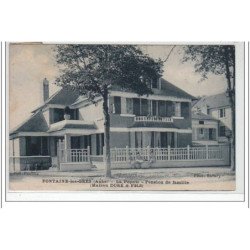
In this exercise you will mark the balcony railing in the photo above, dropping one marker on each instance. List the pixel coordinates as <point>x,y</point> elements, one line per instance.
<point>153,119</point>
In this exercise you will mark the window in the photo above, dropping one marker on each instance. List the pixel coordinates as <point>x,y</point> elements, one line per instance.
<point>212,134</point>
<point>36,146</point>
<point>155,83</point>
<point>136,106</point>
<point>58,115</point>
<point>177,109</point>
<point>170,109</point>
<point>184,109</point>
<point>144,107</point>
<point>167,139</point>
<point>138,139</point>
<point>201,131</point>
<point>129,105</point>
<point>201,122</point>
<point>162,109</point>
<point>75,142</point>
<point>99,143</point>
<point>117,105</point>
<point>74,114</point>
<point>222,113</point>
<point>154,108</point>
<point>222,131</point>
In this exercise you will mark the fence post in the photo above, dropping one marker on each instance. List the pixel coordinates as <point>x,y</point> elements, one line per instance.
<point>115,154</point>
<point>88,153</point>
<point>207,152</point>
<point>104,153</point>
<point>188,152</point>
<point>169,151</point>
<point>148,152</point>
<point>127,153</point>
<point>59,153</point>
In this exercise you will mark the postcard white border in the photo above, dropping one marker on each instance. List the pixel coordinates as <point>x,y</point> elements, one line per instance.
<point>237,195</point>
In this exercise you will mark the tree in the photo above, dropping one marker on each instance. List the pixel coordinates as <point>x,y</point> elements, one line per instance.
<point>219,60</point>
<point>92,70</point>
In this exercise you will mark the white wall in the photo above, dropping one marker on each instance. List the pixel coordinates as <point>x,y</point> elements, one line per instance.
<point>207,124</point>
<point>15,147</point>
<point>227,120</point>
<point>92,112</point>
<point>46,116</point>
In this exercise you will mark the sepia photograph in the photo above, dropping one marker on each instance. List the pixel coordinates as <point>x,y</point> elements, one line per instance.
<point>122,117</point>
<point>124,124</point>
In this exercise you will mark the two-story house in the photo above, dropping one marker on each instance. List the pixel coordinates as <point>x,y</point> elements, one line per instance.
<point>217,107</point>
<point>161,119</point>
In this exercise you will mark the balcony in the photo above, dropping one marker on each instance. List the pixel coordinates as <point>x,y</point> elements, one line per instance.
<point>153,119</point>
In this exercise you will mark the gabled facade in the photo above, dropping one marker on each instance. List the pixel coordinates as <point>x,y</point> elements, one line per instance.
<point>159,120</point>
<point>217,107</point>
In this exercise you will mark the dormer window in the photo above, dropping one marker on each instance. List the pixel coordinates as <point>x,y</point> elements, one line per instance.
<point>156,83</point>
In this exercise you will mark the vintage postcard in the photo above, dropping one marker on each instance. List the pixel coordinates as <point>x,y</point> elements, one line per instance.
<point>125,118</point>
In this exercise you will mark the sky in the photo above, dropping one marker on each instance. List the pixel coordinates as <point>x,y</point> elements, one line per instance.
<point>29,64</point>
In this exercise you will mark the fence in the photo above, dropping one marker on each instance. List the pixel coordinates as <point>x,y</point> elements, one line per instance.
<point>210,155</point>
<point>170,154</point>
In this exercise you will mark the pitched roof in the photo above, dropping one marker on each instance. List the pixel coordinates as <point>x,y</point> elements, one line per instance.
<point>214,101</point>
<point>64,96</point>
<point>167,89</point>
<point>67,97</point>
<point>202,116</point>
<point>36,123</point>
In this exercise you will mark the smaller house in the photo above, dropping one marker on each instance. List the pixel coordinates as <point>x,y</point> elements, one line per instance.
<point>204,129</point>
<point>218,107</point>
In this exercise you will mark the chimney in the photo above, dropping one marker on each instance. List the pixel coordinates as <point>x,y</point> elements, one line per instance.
<point>45,89</point>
